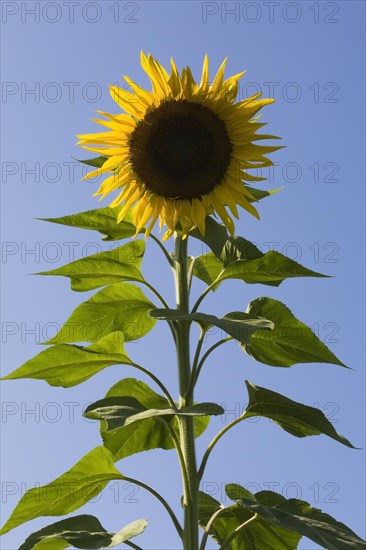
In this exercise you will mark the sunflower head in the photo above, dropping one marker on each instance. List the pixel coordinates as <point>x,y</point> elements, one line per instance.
<point>181,151</point>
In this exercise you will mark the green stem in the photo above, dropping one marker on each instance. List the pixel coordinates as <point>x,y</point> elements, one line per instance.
<point>214,442</point>
<point>228,540</point>
<point>197,370</point>
<point>196,359</point>
<point>203,295</point>
<point>186,424</point>
<point>163,302</point>
<point>209,525</point>
<point>157,382</point>
<point>163,249</point>
<point>161,499</point>
<point>180,455</point>
<point>190,272</point>
<point>154,291</point>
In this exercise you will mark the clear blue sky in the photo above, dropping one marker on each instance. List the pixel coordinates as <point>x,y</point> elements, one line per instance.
<point>311,54</point>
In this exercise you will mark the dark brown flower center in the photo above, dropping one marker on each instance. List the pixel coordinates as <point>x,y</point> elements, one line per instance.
<point>180,150</point>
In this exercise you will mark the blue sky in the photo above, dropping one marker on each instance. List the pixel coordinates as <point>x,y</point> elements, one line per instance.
<point>58,60</point>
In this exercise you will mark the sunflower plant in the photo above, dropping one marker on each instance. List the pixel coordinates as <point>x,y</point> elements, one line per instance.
<point>182,155</point>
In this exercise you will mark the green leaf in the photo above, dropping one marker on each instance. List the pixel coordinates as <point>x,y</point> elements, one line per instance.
<point>103,220</point>
<point>142,435</point>
<point>270,268</point>
<point>259,194</point>
<point>121,307</point>
<point>238,325</point>
<point>122,411</point>
<point>83,531</point>
<point>298,516</point>
<point>240,259</point>
<point>215,236</point>
<point>207,507</point>
<point>129,531</point>
<point>258,535</point>
<point>57,544</point>
<point>68,492</point>
<point>207,268</point>
<point>290,342</point>
<point>121,264</point>
<point>295,418</point>
<point>97,162</point>
<point>238,248</point>
<point>68,365</point>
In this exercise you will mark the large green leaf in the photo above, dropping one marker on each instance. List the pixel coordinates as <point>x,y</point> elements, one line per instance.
<point>298,516</point>
<point>68,492</point>
<point>142,435</point>
<point>258,535</point>
<point>268,269</point>
<point>295,418</point>
<point>67,365</point>
<point>121,264</point>
<point>120,307</point>
<point>103,220</point>
<point>290,342</point>
<point>83,531</point>
<point>238,325</point>
<point>122,411</point>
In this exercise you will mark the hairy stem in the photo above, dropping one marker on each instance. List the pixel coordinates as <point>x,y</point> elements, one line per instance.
<point>186,424</point>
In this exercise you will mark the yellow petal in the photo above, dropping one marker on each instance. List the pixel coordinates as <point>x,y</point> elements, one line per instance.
<point>116,121</point>
<point>108,152</point>
<point>199,215</point>
<point>134,193</point>
<point>220,209</point>
<point>128,101</point>
<point>205,79</point>
<point>188,84</point>
<point>157,74</point>
<point>174,80</point>
<point>216,86</point>
<point>186,216</point>
<point>224,194</point>
<point>156,203</point>
<point>109,164</point>
<point>144,96</point>
<point>244,203</point>
<point>167,235</point>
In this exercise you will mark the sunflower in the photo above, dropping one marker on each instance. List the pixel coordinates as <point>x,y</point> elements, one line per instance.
<point>181,151</point>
